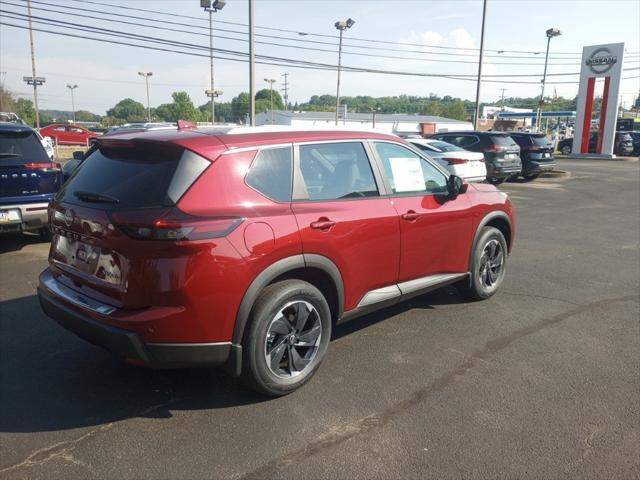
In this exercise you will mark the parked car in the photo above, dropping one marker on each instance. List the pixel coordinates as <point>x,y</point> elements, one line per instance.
<point>47,143</point>
<point>28,180</point>
<point>67,134</point>
<point>10,117</point>
<point>635,138</point>
<point>536,153</point>
<point>622,144</point>
<point>501,152</point>
<point>458,161</point>
<point>244,248</point>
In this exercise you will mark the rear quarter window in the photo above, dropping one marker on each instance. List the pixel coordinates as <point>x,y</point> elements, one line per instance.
<point>271,173</point>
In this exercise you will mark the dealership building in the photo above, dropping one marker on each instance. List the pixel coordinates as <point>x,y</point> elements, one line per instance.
<point>389,123</point>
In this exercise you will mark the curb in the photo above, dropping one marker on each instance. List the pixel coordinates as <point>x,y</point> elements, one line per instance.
<point>617,159</point>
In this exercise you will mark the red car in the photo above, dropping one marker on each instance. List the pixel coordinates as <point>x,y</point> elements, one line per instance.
<point>196,247</point>
<point>66,134</point>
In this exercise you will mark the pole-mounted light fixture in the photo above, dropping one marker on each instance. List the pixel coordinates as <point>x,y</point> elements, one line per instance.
<point>211,7</point>
<point>551,32</point>
<point>341,26</point>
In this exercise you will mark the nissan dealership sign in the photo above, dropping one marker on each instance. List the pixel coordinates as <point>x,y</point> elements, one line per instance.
<point>599,76</point>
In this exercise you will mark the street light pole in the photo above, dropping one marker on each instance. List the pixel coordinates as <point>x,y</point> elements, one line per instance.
<point>552,32</point>
<point>35,83</point>
<point>271,81</point>
<point>73,105</point>
<point>476,116</point>
<point>146,76</point>
<point>341,25</point>
<point>252,64</point>
<point>212,6</point>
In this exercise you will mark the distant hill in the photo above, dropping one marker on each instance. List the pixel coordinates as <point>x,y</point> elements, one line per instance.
<point>64,115</point>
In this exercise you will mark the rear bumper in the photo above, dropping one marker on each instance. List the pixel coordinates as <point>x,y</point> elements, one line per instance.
<point>71,313</point>
<point>33,216</point>
<point>533,167</point>
<point>498,171</point>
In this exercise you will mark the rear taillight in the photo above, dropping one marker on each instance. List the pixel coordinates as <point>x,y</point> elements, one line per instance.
<point>492,147</point>
<point>44,167</point>
<point>456,161</point>
<point>172,224</point>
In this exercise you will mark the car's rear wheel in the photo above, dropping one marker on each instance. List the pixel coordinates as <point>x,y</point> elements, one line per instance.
<point>496,180</point>
<point>566,150</point>
<point>488,265</point>
<point>287,337</point>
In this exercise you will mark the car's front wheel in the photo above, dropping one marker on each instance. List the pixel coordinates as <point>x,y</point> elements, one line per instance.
<point>566,150</point>
<point>287,337</point>
<point>488,265</point>
<point>496,180</point>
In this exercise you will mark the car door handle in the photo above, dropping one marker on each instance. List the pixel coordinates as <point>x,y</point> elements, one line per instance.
<point>322,223</point>
<point>410,216</point>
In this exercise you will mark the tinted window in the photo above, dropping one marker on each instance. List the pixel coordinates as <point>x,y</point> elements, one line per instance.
<point>21,146</point>
<point>135,177</point>
<point>445,146</point>
<point>503,140</point>
<point>408,172</point>
<point>337,170</point>
<point>540,140</point>
<point>466,140</point>
<point>270,173</point>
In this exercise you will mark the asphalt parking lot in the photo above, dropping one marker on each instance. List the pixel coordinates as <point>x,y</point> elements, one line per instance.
<point>541,381</point>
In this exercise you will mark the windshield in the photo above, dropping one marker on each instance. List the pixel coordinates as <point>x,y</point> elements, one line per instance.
<point>504,140</point>
<point>22,146</point>
<point>540,140</point>
<point>445,147</point>
<point>138,177</point>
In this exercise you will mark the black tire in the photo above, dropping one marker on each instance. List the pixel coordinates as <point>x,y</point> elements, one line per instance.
<point>531,177</point>
<point>496,180</point>
<point>565,150</point>
<point>280,306</point>
<point>45,234</point>
<point>483,283</point>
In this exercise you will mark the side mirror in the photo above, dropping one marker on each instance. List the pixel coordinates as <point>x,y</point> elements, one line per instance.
<point>69,167</point>
<point>455,185</point>
<point>79,155</point>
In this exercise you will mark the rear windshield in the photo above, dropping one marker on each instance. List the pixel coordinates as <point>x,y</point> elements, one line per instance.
<point>540,140</point>
<point>444,146</point>
<point>139,177</point>
<point>504,140</point>
<point>21,147</point>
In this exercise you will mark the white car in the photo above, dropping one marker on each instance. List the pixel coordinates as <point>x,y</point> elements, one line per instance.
<point>467,165</point>
<point>47,143</point>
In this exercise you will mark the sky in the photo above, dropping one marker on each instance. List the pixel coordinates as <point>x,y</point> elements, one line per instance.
<point>107,73</point>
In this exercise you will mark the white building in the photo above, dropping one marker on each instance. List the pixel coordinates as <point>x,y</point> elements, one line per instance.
<point>389,123</point>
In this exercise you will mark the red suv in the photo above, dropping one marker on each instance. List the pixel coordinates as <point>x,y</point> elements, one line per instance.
<point>244,247</point>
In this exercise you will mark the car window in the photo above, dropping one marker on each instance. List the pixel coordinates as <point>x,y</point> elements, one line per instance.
<point>504,140</point>
<point>59,129</point>
<point>270,173</point>
<point>465,140</point>
<point>445,146</point>
<point>76,130</point>
<point>430,147</point>
<point>408,172</point>
<point>21,147</point>
<point>337,170</point>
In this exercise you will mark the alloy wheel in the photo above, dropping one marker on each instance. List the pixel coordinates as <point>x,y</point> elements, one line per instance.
<point>491,263</point>
<point>293,338</point>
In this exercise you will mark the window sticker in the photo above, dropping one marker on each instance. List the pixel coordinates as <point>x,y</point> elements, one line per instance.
<point>407,174</point>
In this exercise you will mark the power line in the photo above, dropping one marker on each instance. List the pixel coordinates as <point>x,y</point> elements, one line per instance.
<point>315,42</point>
<point>266,60</point>
<point>146,38</point>
<point>298,32</point>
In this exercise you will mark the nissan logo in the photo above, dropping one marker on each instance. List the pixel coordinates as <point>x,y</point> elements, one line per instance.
<point>601,60</point>
<point>68,218</point>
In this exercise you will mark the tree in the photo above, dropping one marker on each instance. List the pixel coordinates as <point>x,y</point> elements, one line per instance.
<point>128,110</point>
<point>240,107</point>
<point>456,110</point>
<point>183,107</point>
<point>265,94</point>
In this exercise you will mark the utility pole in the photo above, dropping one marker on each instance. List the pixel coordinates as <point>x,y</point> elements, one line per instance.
<point>341,25</point>
<point>271,81</point>
<point>211,7</point>
<point>285,89</point>
<point>476,116</point>
<point>252,64</point>
<point>73,104</point>
<point>502,99</point>
<point>34,78</point>
<point>146,76</point>
<point>2,75</point>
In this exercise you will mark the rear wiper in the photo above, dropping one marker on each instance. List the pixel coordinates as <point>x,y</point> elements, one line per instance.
<point>95,197</point>
<point>10,155</point>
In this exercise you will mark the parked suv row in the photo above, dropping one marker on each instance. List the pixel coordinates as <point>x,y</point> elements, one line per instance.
<point>243,248</point>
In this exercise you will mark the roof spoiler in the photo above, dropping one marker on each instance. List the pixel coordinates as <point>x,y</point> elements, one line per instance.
<point>186,125</point>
